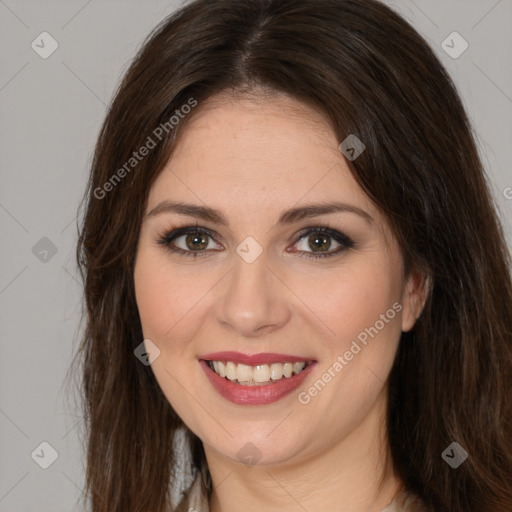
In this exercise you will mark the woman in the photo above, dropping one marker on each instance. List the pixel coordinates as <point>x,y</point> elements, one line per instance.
<point>288,261</point>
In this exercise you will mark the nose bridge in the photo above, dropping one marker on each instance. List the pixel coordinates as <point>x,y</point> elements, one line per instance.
<point>253,300</point>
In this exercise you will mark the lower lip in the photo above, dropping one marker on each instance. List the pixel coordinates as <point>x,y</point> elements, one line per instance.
<point>255,395</point>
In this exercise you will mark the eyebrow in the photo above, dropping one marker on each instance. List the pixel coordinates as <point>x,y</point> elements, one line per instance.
<point>287,217</point>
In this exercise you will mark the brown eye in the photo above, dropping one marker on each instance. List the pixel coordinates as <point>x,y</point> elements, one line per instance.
<point>320,242</point>
<point>188,241</point>
<point>315,243</point>
<point>196,241</point>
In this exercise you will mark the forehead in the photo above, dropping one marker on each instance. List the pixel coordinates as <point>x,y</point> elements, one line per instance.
<point>265,133</point>
<point>253,148</point>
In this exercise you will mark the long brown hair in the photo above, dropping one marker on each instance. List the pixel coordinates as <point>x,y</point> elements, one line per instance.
<point>371,74</point>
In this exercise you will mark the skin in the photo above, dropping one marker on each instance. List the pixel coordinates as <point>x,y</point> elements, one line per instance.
<point>253,158</point>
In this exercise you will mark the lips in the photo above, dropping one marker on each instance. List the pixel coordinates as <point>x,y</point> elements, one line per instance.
<point>254,395</point>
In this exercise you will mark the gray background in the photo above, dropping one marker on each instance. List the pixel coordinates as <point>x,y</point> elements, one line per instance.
<point>50,112</point>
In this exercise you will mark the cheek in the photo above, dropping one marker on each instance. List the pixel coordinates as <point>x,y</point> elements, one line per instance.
<point>172,300</point>
<point>355,300</point>
<point>165,300</point>
<point>154,296</point>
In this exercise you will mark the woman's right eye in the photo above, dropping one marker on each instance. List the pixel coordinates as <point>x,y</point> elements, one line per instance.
<point>195,241</point>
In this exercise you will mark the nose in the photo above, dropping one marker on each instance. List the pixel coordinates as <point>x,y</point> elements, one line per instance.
<point>254,299</point>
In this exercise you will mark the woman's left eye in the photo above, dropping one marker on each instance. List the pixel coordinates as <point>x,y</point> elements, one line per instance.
<point>196,242</point>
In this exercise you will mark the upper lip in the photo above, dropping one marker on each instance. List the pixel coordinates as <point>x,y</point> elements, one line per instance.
<point>254,359</point>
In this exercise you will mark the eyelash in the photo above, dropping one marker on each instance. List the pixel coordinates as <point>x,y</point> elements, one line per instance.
<point>167,237</point>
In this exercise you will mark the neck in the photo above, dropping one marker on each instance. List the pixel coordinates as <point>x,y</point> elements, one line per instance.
<point>353,474</point>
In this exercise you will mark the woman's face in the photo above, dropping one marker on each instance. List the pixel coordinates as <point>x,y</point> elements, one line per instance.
<point>267,281</point>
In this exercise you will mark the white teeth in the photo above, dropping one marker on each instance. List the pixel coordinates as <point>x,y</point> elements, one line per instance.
<point>256,375</point>
<point>243,372</point>
<point>297,367</point>
<point>276,371</point>
<point>261,373</point>
<point>231,372</point>
<point>287,369</point>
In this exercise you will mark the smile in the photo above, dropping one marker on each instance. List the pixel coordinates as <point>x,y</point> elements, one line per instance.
<point>257,379</point>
